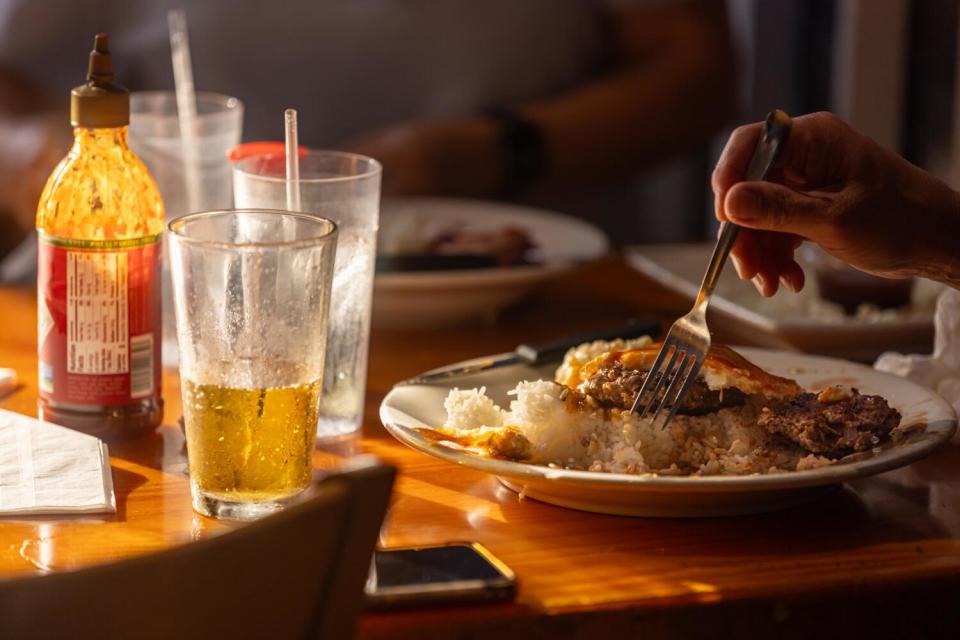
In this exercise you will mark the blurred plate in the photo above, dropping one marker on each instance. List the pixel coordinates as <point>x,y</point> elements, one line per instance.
<point>438,298</point>
<point>792,321</point>
<point>408,407</point>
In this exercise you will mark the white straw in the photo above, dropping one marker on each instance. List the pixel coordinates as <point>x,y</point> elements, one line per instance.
<point>293,160</point>
<point>186,103</point>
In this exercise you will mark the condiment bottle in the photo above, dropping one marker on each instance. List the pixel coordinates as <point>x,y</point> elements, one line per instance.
<point>100,224</point>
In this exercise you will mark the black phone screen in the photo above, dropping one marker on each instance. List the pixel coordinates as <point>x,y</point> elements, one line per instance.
<point>433,565</point>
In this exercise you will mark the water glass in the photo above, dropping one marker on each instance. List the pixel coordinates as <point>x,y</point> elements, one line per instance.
<point>345,188</point>
<point>252,293</point>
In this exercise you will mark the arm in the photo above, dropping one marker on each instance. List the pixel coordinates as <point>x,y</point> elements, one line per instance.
<point>20,96</point>
<point>33,138</point>
<point>672,85</point>
<point>673,88</point>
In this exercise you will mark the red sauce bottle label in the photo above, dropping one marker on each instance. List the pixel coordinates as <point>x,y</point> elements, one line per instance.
<point>99,320</point>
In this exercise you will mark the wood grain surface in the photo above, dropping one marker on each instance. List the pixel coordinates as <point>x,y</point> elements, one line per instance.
<point>887,547</point>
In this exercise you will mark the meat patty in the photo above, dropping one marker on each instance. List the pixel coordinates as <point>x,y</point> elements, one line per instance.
<point>832,429</point>
<point>614,385</point>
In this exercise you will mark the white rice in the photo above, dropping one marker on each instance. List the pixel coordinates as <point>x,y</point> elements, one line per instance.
<point>472,409</point>
<point>557,435</point>
<point>727,442</point>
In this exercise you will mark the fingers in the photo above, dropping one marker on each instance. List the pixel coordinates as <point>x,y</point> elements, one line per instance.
<point>745,254</point>
<point>767,260</point>
<point>774,207</point>
<point>807,161</point>
<point>790,274</point>
<point>776,215</point>
<point>767,279</point>
<point>733,163</point>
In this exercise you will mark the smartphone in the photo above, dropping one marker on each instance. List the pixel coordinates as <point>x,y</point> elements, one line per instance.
<point>449,573</point>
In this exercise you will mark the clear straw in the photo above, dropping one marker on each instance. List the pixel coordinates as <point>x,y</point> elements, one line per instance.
<point>186,104</point>
<point>293,160</point>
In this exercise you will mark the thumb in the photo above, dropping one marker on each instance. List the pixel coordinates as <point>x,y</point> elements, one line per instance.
<point>771,206</point>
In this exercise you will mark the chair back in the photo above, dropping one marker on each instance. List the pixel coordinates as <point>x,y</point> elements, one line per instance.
<point>296,574</point>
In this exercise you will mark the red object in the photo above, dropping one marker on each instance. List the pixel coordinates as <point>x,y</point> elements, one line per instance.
<point>248,149</point>
<point>100,328</point>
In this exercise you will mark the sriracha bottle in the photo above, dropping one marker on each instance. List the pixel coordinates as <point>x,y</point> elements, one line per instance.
<point>100,226</point>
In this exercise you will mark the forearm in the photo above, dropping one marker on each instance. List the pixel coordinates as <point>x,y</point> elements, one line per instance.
<point>676,88</point>
<point>671,87</point>
<point>20,96</point>
<point>31,124</point>
<point>629,120</point>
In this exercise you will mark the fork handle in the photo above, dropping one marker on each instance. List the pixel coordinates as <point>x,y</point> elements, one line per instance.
<point>776,128</point>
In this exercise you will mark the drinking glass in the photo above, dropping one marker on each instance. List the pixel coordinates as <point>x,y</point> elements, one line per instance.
<point>155,138</point>
<point>252,293</point>
<point>345,188</point>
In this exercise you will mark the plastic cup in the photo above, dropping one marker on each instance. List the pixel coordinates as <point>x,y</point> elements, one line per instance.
<point>155,138</point>
<point>345,188</point>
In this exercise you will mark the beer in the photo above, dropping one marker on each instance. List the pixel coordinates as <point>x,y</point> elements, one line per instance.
<point>250,445</point>
<point>252,327</point>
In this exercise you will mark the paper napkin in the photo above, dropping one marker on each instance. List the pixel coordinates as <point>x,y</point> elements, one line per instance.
<point>49,469</point>
<point>940,370</point>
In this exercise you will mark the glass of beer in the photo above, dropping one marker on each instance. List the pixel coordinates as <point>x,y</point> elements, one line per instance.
<point>252,295</point>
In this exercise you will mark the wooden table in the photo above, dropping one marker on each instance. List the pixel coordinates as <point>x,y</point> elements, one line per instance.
<point>882,554</point>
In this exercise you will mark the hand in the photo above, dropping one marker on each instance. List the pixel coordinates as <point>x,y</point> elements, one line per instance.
<point>831,185</point>
<point>458,158</point>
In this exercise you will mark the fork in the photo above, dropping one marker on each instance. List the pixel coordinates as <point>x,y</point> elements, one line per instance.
<point>688,341</point>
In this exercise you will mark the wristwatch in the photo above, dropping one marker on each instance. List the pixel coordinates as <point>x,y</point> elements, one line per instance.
<point>523,156</point>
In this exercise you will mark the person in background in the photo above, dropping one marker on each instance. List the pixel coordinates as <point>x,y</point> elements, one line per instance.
<point>834,186</point>
<point>665,86</point>
<point>454,97</point>
<point>33,139</point>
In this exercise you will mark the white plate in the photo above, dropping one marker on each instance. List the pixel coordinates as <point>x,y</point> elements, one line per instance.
<point>788,320</point>
<point>407,407</point>
<point>437,298</point>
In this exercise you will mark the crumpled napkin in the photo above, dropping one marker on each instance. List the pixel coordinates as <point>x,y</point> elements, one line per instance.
<point>939,371</point>
<point>49,469</point>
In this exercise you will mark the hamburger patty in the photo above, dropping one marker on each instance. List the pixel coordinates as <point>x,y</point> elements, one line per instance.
<point>614,386</point>
<point>833,429</point>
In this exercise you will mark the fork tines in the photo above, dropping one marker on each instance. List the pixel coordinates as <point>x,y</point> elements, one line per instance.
<point>678,375</point>
<point>688,341</point>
